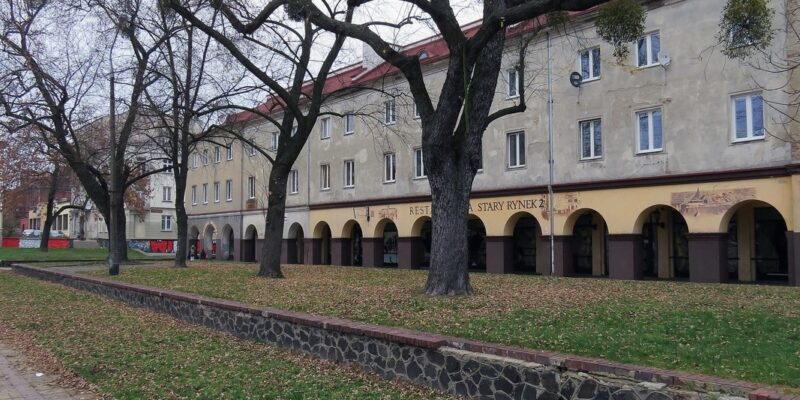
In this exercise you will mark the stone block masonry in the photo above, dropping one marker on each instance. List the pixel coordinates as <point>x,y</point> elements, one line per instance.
<point>463,367</point>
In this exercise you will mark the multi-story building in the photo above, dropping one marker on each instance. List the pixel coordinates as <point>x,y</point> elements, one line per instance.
<point>674,163</point>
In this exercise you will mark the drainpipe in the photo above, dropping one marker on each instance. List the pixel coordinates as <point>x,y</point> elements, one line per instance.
<point>550,161</point>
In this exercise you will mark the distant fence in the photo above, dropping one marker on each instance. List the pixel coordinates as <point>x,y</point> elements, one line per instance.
<point>33,243</point>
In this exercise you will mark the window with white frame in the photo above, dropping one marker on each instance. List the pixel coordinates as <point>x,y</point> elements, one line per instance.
<point>194,195</point>
<point>251,150</point>
<point>166,223</point>
<point>294,181</point>
<point>419,164</point>
<point>205,193</point>
<point>275,138</point>
<point>228,190</point>
<point>647,49</point>
<point>349,123</point>
<point>416,110</point>
<point>648,131</point>
<point>516,149</point>
<point>251,187</point>
<point>512,82</point>
<point>194,160</point>
<point>325,176</point>
<point>590,64</point>
<point>166,193</point>
<point>216,192</point>
<point>389,116</point>
<point>591,139</point>
<point>217,154</point>
<point>389,167</point>
<point>748,117</point>
<point>205,157</point>
<point>325,128</point>
<point>229,151</point>
<point>349,173</point>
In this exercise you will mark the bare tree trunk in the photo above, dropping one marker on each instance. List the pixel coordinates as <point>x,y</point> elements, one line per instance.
<point>450,188</point>
<point>44,242</point>
<point>181,219</point>
<point>48,224</point>
<point>121,244</point>
<point>270,264</point>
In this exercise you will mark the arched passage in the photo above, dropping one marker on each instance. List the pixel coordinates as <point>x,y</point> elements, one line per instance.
<point>227,248</point>
<point>249,244</point>
<point>757,248</point>
<point>526,237</point>
<point>390,244</point>
<point>589,243</point>
<point>356,245</point>
<point>664,243</point>
<point>209,242</point>
<point>322,244</point>
<point>194,242</point>
<point>476,244</point>
<point>294,246</point>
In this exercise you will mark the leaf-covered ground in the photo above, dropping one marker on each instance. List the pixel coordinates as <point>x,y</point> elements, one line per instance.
<point>745,332</point>
<point>128,353</point>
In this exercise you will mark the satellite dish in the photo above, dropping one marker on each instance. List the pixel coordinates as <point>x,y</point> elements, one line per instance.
<point>576,79</point>
<point>664,60</point>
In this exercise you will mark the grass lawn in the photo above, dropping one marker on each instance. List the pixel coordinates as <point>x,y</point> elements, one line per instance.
<point>130,353</point>
<point>63,254</point>
<point>734,331</point>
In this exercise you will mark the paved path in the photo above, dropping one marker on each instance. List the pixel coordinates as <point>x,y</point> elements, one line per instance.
<point>18,382</point>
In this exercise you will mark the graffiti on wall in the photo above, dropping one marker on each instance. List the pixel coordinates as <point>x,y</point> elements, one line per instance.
<point>147,246</point>
<point>709,202</point>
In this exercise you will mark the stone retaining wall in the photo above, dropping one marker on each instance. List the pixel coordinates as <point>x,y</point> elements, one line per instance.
<point>467,368</point>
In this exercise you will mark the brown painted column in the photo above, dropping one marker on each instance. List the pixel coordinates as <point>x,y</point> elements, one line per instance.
<point>313,249</point>
<point>708,257</point>
<point>793,247</point>
<point>372,252</point>
<point>285,246</point>
<point>410,252</point>
<point>340,251</point>
<point>625,256</point>
<point>563,255</point>
<point>499,254</point>
<point>237,250</point>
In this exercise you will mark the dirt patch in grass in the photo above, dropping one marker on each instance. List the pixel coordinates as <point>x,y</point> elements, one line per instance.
<point>129,353</point>
<point>745,332</point>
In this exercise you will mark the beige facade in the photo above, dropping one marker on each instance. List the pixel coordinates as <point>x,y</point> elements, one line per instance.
<point>651,164</point>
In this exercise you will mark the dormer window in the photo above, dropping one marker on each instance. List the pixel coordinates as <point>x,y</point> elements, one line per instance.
<point>422,54</point>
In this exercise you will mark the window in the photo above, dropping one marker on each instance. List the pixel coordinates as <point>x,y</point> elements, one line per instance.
<point>294,181</point>
<point>324,176</point>
<point>194,195</point>
<point>647,49</point>
<point>228,190</point>
<point>516,149</point>
<point>325,128</point>
<point>275,138</point>
<point>167,166</point>
<point>389,167</point>
<point>648,131</point>
<point>205,193</point>
<point>251,150</point>
<point>205,157</point>
<point>349,173</point>
<point>166,223</point>
<point>229,152</point>
<point>349,123</point>
<point>251,187</point>
<point>591,139</point>
<point>217,154</point>
<point>419,164</point>
<point>512,81</point>
<point>216,192</point>
<point>416,110</point>
<point>166,193</point>
<point>590,64</point>
<point>194,160</point>
<point>748,117</point>
<point>389,116</point>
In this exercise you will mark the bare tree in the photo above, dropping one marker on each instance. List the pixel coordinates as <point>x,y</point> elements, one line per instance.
<point>51,79</point>
<point>295,82</point>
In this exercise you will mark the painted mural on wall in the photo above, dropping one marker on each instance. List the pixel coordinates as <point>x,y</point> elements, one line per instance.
<point>709,202</point>
<point>147,246</point>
